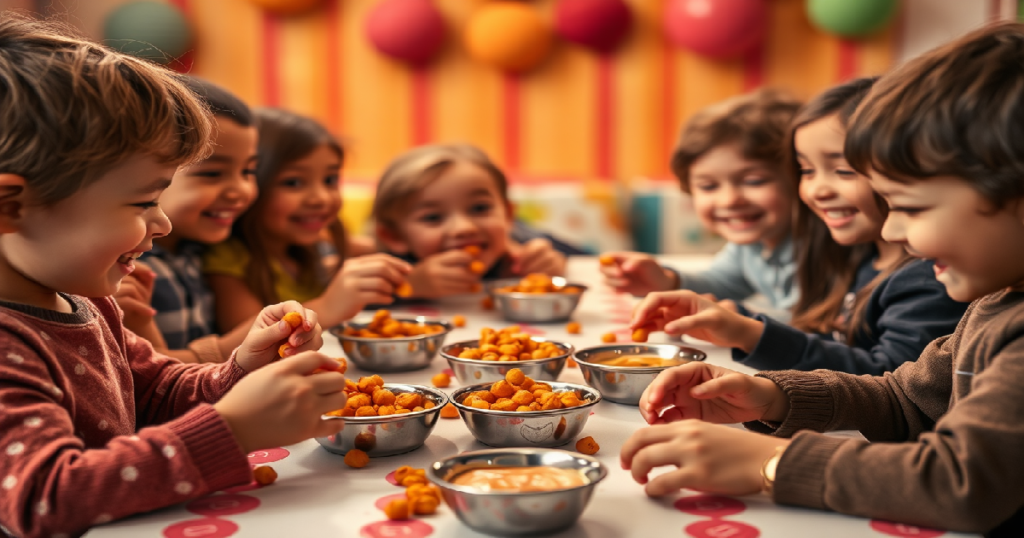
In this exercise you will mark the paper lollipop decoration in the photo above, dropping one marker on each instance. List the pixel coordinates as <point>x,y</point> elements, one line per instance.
<point>508,35</point>
<point>408,30</point>
<point>851,19</point>
<point>152,30</point>
<point>716,28</point>
<point>598,24</point>
<point>287,7</point>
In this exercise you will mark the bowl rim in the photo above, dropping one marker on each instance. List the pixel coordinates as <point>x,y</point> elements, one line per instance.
<point>632,369</point>
<point>523,295</point>
<point>591,391</point>
<point>398,418</point>
<point>338,330</point>
<point>442,483</point>
<point>571,350</point>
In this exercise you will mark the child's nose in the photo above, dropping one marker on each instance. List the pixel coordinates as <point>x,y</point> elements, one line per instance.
<point>160,225</point>
<point>461,224</point>
<point>731,196</point>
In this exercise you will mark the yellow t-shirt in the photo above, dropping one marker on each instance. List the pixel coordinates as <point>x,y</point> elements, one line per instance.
<point>231,258</point>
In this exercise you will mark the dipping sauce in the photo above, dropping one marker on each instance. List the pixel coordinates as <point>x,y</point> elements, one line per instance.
<point>520,479</point>
<point>640,361</point>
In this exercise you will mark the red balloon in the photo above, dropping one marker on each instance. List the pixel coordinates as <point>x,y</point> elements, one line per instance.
<point>716,28</point>
<point>408,30</point>
<point>597,24</point>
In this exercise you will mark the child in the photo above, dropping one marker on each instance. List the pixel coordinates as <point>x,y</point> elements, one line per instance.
<point>873,306</point>
<point>940,137</point>
<point>434,201</point>
<point>277,250</point>
<point>94,425</point>
<point>203,202</point>
<point>731,160</point>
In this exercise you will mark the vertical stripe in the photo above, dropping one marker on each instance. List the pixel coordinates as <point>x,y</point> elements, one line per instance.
<point>753,69</point>
<point>511,97</point>
<point>993,11</point>
<point>184,63</point>
<point>605,122</point>
<point>271,67</point>
<point>334,55</point>
<point>668,100</point>
<point>420,105</point>
<point>847,65</point>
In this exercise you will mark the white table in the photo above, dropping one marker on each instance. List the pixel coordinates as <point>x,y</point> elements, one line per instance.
<point>317,495</point>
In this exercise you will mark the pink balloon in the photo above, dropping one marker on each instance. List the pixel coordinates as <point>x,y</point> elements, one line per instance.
<point>597,24</point>
<point>716,28</point>
<point>408,30</point>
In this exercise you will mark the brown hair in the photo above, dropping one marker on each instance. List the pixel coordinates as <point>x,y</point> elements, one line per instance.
<point>757,121</point>
<point>826,270</point>
<point>284,137</point>
<point>70,110</point>
<point>411,171</point>
<point>957,110</point>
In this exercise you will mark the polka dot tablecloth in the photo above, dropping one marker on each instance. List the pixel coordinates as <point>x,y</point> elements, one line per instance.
<point>317,495</point>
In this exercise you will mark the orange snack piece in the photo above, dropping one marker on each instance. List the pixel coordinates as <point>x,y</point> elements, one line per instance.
<point>293,319</point>
<point>368,398</point>
<point>472,250</point>
<point>519,393</point>
<point>640,335</point>
<point>606,259</point>
<point>449,411</point>
<point>383,397</point>
<point>357,459</point>
<point>384,326</point>
<point>459,321</point>
<point>441,380</point>
<point>573,328</point>
<point>509,344</point>
<point>538,283</point>
<point>264,475</point>
<point>587,446</point>
<point>398,510</point>
<point>283,350</point>
<point>571,363</point>
<point>487,303</point>
<point>477,267</point>
<point>413,479</point>
<point>402,472</point>
<point>404,290</point>
<point>341,368</point>
<point>424,505</point>
<point>608,338</point>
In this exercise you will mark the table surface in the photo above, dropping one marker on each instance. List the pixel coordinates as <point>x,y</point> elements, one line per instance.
<point>317,495</point>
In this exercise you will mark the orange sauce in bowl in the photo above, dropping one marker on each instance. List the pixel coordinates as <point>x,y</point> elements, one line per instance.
<point>640,361</point>
<point>520,479</point>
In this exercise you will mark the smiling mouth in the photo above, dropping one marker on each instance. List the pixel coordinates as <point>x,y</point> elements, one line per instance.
<point>128,258</point>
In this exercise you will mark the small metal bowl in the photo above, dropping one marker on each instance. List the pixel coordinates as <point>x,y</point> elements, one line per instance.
<point>539,307</point>
<point>529,429</point>
<point>392,354</point>
<point>478,371</point>
<point>491,285</point>
<point>391,434</point>
<point>624,384</point>
<point>515,513</point>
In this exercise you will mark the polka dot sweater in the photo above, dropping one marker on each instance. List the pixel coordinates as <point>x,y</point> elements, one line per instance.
<point>95,425</point>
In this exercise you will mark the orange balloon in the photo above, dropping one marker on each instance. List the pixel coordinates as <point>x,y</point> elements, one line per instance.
<point>508,35</point>
<point>288,7</point>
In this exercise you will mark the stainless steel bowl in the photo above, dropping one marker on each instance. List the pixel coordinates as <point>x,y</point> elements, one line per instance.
<point>625,385</point>
<point>539,307</point>
<point>392,354</point>
<point>491,285</point>
<point>391,434</point>
<point>529,429</point>
<point>478,371</point>
<point>513,513</point>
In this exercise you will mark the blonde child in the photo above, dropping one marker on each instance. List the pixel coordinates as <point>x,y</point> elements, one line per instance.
<point>866,305</point>
<point>94,425</point>
<point>940,138</point>
<point>731,161</point>
<point>278,249</point>
<point>434,201</point>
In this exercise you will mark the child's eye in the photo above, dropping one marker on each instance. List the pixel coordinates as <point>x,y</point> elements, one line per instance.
<point>481,208</point>
<point>332,180</point>
<point>212,174</point>
<point>291,182</point>
<point>147,205</point>
<point>755,181</point>
<point>806,172</point>
<point>842,172</point>
<point>430,218</point>
<point>706,187</point>
<point>909,211</point>
<point>249,172</point>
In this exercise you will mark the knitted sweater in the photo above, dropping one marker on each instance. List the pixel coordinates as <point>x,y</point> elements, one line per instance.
<point>96,426</point>
<point>945,433</point>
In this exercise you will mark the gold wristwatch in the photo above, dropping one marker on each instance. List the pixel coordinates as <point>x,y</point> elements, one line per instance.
<point>768,469</point>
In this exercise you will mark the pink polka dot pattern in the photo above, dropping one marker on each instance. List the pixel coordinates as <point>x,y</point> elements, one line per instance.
<point>531,330</point>
<point>715,507</point>
<point>899,529</point>
<point>721,528</point>
<point>201,528</point>
<point>449,371</point>
<point>227,504</point>
<point>391,478</point>
<point>269,455</point>
<point>383,501</point>
<point>412,528</point>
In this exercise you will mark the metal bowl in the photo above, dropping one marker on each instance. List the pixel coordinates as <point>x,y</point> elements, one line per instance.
<point>539,307</point>
<point>514,513</point>
<point>391,434</point>
<point>529,429</point>
<point>478,371</point>
<point>392,354</point>
<point>491,285</point>
<point>623,384</point>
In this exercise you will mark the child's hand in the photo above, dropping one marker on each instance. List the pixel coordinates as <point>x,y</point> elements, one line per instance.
<point>443,274</point>
<point>636,273</point>
<point>362,281</point>
<point>536,256</point>
<point>269,331</point>
<point>135,297</point>
<point>708,457</point>
<point>685,312</point>
<point>282,403</point>
<point>713,394</point>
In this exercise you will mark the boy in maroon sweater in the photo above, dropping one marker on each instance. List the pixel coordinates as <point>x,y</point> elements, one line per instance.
<point>94,425</point>
<point>942,138</point>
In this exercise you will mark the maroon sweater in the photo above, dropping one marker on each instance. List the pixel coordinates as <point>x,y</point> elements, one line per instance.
<point>96,426</point>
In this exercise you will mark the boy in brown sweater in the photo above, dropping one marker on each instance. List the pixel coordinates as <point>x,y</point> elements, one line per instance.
<point>942,138</point>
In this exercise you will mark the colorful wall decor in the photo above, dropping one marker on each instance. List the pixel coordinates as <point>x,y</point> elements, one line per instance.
<point>149,29</point>
<point>717,28</point>
<point>508,35</point>
<point>408,30</point>
<point>598,24</point>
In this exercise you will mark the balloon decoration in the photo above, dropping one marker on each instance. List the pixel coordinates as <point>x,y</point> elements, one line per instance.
<point>508,35</point>
<point>597,24</point>
<point>288,7</point>
<point>408,30</point>
<point>149,29</point>
<point>717,28</point>
<point>851,19</point>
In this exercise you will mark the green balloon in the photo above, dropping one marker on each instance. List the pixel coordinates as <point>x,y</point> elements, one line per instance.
<point>152,30</point>
<point>851,18</point>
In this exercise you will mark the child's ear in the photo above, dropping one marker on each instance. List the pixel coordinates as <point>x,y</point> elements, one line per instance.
<point>12,202</point>
<point>391,240</point>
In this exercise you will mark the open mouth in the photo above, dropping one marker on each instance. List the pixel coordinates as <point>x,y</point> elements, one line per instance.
<point>837,217</point>
<point>740,222</point>
<point>939,268</point>
<point>221,218</point>
<point>312,223</point>
<point>127,261</point>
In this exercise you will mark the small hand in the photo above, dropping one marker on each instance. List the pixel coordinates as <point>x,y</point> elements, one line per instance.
<point>270,330</point>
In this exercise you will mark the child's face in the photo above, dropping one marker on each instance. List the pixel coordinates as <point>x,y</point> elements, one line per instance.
<point>976,249</point>
<point>742,200</point>
<point>461,207</point>
<point>86,243</point>
<point>838,195</point>
<point>303,199</point>
<point>205,199</point>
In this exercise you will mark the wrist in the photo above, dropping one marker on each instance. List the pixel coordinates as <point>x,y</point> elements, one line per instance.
<point>769,469</point>
<point>750,334</point>
<point>671,279</point>
<point>778,410</point>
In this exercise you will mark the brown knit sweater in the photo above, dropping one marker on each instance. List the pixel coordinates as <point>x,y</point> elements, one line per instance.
<point>95,426</point>
<point>946,432</point>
